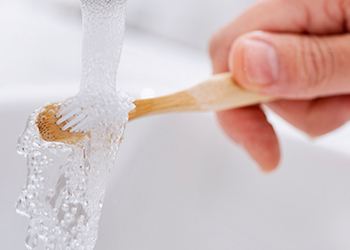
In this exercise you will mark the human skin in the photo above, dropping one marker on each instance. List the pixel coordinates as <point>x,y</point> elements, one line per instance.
<point>297,51</point>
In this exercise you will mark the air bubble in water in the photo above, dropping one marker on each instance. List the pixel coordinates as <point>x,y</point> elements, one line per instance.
<point>65,188</point>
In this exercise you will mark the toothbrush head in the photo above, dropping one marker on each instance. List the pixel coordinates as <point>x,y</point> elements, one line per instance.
<point>51,132</point>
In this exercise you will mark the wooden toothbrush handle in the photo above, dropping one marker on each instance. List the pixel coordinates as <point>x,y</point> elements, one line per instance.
<point>217,93</point>
<point>220,92</point>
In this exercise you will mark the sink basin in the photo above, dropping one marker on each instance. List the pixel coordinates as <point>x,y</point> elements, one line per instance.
<point>180,183</point>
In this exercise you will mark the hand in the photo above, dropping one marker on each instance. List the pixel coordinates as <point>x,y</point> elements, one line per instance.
<point>297,50</point>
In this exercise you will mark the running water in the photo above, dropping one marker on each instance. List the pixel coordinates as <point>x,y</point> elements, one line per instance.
<point>66,184</point>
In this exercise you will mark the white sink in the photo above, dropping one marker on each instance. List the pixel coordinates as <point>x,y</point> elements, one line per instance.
<point>180,183</point>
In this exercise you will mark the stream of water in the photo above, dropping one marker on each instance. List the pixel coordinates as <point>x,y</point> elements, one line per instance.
<point>65,187</point>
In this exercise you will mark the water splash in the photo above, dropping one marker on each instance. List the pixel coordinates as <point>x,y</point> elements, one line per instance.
<point>66,184</point>
<point>65,188</point>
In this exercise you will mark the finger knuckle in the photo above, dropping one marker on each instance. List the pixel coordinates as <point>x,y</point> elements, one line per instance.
<point>317,62</point>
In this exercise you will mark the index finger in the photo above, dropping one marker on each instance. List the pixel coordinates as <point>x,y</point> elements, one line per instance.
<point>281,16</point>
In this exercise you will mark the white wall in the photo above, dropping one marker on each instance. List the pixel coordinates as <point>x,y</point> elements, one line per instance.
<point>189,21</point>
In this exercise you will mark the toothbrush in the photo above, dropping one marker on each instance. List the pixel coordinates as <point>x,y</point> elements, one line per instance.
<point>217,93</point>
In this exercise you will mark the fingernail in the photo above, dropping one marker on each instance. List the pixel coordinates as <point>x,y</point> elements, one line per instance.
<point>260,62</point>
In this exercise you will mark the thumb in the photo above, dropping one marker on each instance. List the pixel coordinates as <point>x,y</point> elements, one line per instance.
<point>292,66</point>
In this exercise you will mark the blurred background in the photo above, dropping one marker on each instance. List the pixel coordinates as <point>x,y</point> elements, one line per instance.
<point>181,184</point>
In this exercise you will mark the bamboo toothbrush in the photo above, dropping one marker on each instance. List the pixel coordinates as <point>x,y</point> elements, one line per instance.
<point>217,93</point>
